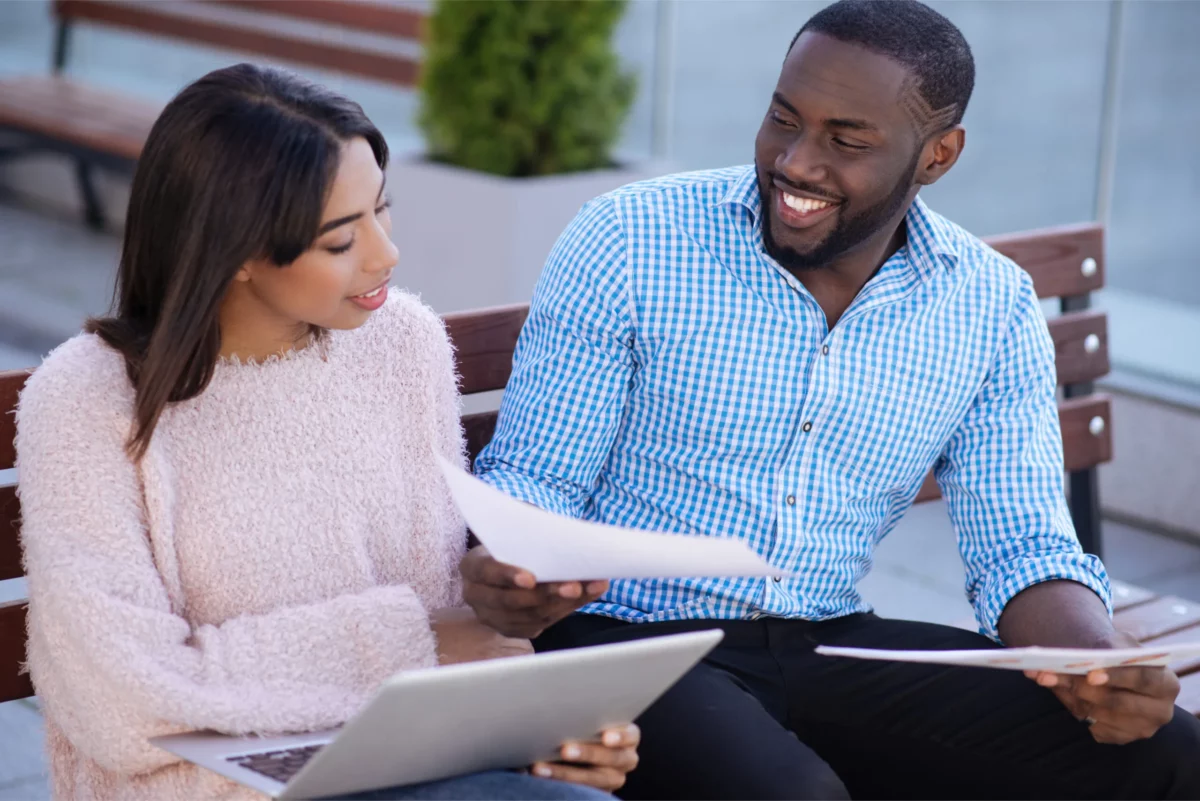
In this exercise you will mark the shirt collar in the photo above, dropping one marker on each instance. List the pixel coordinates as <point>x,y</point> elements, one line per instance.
<point>930,240</point>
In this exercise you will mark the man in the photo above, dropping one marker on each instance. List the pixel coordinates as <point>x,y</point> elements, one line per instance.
<point>780,354</point>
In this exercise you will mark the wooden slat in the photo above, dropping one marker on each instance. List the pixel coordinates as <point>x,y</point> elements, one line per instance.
<point>483,342</point>
<point>11,382</point>
<point>10,544</point>
<point>159,18</point>
<point>1158,617</point>
<point>65,110</point>
<point>1072,359</point>
<point>378,18</point>
<point>1127,596</point>
<point>1081,448</point>
<point>1054,257</point>
<point>478,429</point>
<point>1189,694</point>
<point>13,683</point>
<point>1186,664</point>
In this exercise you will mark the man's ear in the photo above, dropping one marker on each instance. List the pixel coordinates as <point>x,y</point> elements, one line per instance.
<point>939,154</point>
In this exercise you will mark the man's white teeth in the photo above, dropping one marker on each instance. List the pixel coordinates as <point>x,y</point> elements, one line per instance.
<point>804,204</point>
<point>372,293</point>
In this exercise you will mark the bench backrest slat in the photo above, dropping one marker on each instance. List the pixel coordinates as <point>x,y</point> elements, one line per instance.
<point>13,683</point>
<point>171,20</point>
<point>388,19</point>
<point>1055,257</point>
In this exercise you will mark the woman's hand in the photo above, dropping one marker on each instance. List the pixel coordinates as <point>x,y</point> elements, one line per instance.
<point>602,763</point>
<point>462,638</point>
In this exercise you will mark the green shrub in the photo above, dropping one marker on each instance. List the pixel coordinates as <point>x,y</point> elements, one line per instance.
<point>523,87</point>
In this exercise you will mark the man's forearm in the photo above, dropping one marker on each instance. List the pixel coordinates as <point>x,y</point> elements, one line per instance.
<point>1059,613</point>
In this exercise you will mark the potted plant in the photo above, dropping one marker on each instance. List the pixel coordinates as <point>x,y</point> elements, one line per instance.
<point>521,104</point>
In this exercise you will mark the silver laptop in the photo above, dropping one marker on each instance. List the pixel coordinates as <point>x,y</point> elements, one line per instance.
<point>448,721</point>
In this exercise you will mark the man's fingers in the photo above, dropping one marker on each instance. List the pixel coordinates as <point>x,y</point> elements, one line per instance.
<point>479,567</point>
<point>477,595</point>
<point>1157,682</point>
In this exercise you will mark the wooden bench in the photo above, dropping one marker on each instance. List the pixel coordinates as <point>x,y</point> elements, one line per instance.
<point>104,129</point>
<point>1066,263</point>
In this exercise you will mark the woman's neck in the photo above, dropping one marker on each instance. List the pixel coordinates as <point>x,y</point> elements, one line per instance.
<point>257,334</point>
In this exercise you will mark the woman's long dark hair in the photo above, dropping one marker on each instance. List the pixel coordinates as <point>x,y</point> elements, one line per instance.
<point>237,167</point>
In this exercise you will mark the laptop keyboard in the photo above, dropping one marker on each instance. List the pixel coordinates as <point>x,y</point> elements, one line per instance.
<point>279,765</point>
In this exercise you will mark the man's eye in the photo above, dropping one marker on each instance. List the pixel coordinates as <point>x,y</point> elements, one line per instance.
<point>778,120</point>
<point>848,145</point>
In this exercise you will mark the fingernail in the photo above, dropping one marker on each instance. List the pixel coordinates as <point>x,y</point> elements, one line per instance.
<point>570,590</point>
<point>595,587</point>
<point>612,738</point>
<point>525,581</point>
<point>1098,678</point>
<point>570,752</point>
<point>1048,680</point>
<point>541,770</point>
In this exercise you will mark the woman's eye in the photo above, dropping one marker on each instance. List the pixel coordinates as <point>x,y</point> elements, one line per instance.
<point>336,249</point>
<point>387,204</point>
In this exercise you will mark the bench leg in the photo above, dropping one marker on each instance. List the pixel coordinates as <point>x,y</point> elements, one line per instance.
<point>93,214</point>
<point>1085,509</point>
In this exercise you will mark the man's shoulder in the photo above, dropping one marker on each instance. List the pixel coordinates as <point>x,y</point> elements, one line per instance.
<point>974,259</point>
<point>700,187</point>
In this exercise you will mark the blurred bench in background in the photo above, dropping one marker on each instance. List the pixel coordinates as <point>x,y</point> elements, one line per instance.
<point>98,128</point>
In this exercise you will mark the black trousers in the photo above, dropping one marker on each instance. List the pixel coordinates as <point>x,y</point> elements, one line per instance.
<point>765,717</point>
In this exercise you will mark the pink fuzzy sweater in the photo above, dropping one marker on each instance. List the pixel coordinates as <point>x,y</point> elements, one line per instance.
<point>264,568</point>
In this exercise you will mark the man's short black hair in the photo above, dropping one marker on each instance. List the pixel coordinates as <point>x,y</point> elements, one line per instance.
<point>915,35</point>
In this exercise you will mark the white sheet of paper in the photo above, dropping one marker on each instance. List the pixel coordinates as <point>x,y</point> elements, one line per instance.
<point>1058,660</point>
<point>557,548</point>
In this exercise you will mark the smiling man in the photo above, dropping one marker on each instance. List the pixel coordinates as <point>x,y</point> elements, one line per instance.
<point>780,353</point>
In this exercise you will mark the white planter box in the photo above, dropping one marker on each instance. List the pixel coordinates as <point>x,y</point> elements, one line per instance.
<point>469,239</point>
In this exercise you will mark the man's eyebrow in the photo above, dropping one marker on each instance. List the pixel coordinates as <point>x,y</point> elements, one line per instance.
<point>778,99</point>
<point>340,221</point>
<point>856,125</point>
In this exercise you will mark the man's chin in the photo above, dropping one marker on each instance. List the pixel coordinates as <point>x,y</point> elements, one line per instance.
<point>797,256</point>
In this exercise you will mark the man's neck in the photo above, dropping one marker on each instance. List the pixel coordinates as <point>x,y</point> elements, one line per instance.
<point>835,287</point>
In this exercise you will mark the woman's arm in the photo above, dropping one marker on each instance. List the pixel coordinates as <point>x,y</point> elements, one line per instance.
<point>113,661</point>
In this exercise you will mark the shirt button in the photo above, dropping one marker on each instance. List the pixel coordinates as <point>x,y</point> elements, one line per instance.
<point>807,427</point>
<point>791,500</point>
<point>825,350</point>
<point>777,579</point>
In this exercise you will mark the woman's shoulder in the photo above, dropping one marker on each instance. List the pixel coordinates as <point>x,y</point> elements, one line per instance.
<point>81,375</point>
<point>405,324</point>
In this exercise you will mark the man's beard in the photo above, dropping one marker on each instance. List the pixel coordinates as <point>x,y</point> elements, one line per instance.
<point>849,233</point>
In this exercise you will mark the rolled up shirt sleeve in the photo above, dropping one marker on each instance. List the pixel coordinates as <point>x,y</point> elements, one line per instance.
<point>1002,477</point>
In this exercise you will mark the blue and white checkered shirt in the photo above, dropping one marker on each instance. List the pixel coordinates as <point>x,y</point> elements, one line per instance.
<point>672,377</point>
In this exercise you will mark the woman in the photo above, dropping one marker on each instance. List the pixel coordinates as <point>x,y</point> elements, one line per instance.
<point>231,516</point>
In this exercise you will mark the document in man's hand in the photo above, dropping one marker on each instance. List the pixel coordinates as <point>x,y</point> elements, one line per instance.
<point>558,548</point>
<point>1056,660</point>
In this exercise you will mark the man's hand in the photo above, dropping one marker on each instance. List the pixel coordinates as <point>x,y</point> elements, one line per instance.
<point>511,601</point>
<point>462,638</point>
<point>1119,704</point>
<point>603,764</point>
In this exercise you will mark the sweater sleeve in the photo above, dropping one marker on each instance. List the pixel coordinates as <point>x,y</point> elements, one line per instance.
<point>112,660</point>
